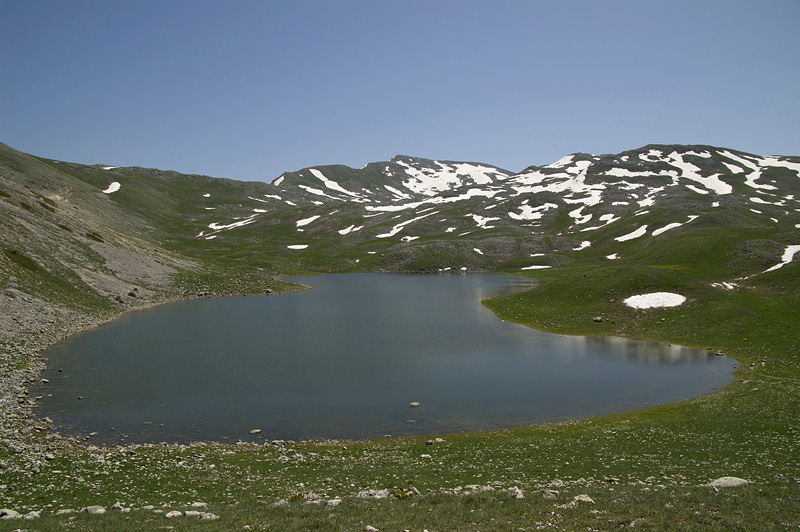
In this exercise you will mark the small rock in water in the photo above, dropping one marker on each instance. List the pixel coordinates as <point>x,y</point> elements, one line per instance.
<point>255,431</point>
<point>414,404</point>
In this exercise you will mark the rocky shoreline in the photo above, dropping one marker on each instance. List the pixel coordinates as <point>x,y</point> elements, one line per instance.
<point>29,326</point>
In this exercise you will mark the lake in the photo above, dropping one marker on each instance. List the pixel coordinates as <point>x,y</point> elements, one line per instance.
<point>344,360</point>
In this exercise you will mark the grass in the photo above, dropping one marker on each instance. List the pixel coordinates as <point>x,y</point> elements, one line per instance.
<point>643,467</point>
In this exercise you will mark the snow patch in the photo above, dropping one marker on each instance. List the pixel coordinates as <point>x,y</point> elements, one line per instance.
<point>482,221</point>
<point>635,234</point>
<point>113,187</point>
<point>206,195</point>
<point>306,221</point>
<point>297,246</point>
<point>655,300</point>
<point>478,251</point>
<point>535,267</point>
<point>788,256</point>
<point>613,256</point>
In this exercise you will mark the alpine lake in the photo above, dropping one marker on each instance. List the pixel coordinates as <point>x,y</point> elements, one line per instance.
<point>345,360</point>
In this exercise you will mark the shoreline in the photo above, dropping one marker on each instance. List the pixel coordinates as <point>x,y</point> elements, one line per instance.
<point>25,425</point>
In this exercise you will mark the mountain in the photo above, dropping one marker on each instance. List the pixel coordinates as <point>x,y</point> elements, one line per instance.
<point>407,214</point>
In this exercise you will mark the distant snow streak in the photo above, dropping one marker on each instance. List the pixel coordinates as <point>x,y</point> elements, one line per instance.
<point>635,234</point>
<point>788,256</point>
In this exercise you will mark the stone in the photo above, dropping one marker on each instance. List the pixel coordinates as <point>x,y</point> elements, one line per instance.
<point>255,431</point>
<point>5,513</point>
<point>414,404</point>
<point>373,494</point>
<point>333,503</point>
<point>94,510</point>
<point>209,517</point>
<point>370,528</point>
<point>32,515</point>
<point>199,505</point>
<point>598,319</point>
<point>117,506</point>
<point>426,456</point>
<point>582,498</point>
<point>173,513</point>
<point>727,482</point>
<point>515,493</point>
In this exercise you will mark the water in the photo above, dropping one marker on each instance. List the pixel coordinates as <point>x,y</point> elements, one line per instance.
<point>344,360</point>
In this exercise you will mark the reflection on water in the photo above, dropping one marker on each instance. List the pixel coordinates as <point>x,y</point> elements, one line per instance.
<point>642,351</point>
<point>345,359</point>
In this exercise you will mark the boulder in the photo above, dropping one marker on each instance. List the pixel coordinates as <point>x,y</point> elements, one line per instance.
<point>9,514</point>
<point>94,510</point>
<point>515,493</point>
<point>727,482</point>
<point>582,498</point>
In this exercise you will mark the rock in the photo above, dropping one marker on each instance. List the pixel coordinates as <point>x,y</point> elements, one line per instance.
<point>32,515</point>
<point>279,503</point>
<point>199,505</point>
<point>370,528</point>
<point>515,493</point>
<point>64,511</point>
<point>582,498</point>
<point>333,503</point>
<point>373,494</point>
<point>414,404</point>
<point>209,517</point>
<point>426,456</point>
<point>173,513</point>
<point>116,506</point>
<point>474,488</point>
<point>9,514</point>
<point>727,482</point>
<point>597,319</point>
<point>192,513</point>
<point>255,431</point>
<point>94,510</point>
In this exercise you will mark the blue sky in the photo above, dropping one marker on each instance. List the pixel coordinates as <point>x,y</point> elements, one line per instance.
<point>250,89</point>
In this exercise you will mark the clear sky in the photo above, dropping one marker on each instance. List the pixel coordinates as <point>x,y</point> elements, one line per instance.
<point>250,89</point>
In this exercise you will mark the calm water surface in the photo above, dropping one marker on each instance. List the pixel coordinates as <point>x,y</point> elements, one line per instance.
<point>345,359</point>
